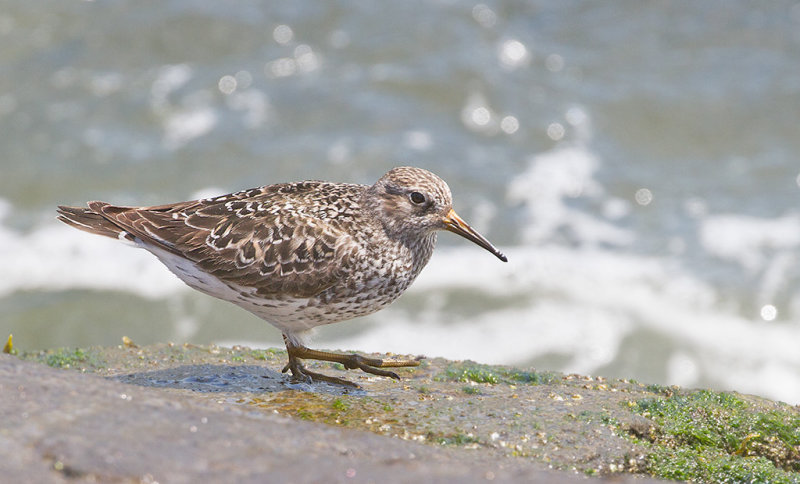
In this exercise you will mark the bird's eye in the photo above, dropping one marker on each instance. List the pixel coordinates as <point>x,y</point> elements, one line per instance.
<point>417,197</point>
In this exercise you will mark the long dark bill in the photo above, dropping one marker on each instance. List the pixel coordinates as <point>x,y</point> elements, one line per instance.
<point>454,223</point>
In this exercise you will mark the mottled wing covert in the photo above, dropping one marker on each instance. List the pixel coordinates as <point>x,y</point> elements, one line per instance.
<point>254,238</point>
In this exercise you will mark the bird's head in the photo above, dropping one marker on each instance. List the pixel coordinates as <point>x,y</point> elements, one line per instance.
<point>413,203</point>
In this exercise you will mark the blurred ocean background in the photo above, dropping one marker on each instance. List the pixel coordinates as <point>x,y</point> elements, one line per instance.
<point>639,163</point>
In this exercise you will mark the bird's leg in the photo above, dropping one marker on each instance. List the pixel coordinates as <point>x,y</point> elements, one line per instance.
<point>300,373</point>
<point>368,365</point>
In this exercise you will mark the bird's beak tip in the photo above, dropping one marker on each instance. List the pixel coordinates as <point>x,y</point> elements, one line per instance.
<point>457,225</point>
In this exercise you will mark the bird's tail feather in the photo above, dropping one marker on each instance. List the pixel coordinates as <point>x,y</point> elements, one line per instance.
<point>91,220</point>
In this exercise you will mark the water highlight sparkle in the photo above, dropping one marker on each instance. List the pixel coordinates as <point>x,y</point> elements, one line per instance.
<point>643,196</point>
<point>283,34</point>
<point>513,54</point>
<point>769,312</point>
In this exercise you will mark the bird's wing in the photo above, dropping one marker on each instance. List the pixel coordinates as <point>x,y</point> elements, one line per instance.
<point>256,238</point>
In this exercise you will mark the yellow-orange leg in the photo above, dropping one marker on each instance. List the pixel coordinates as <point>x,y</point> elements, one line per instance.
<point>352,361</point>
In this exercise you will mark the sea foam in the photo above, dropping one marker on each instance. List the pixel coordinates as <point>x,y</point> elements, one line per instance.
<point>55,257</point>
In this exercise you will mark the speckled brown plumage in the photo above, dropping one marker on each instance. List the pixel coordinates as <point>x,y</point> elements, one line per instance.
<point>298,255</point>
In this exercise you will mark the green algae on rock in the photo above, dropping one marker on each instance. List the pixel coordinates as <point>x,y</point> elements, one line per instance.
<point>707,436</point>
<point>77,358</point>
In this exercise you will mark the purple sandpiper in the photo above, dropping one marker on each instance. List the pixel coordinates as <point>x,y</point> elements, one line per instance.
<point>298,255</point>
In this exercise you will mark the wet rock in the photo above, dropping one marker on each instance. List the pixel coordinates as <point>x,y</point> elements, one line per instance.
<point>156,425</point>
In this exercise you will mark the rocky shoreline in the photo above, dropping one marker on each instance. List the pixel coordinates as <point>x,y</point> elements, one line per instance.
<point>184,413</point>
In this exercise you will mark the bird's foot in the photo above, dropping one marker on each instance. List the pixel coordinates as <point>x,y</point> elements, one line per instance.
<point>301,374</point>
<point>374,365</point>
<point>352,361</point>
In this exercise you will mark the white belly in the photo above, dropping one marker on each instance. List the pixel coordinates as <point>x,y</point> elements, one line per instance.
<point>291,315</point>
